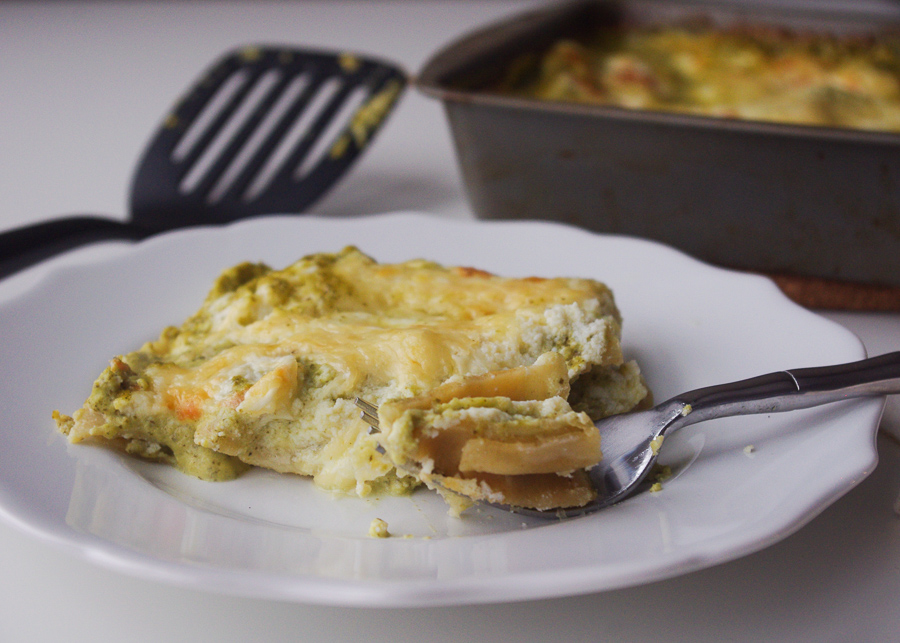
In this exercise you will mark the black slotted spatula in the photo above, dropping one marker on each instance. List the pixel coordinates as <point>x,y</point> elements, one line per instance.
<point>265,130</point>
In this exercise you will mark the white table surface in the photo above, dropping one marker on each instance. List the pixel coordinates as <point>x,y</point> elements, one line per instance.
<point>83,87</point>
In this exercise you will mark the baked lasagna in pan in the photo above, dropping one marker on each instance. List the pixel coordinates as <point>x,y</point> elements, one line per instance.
<point>747,72</point>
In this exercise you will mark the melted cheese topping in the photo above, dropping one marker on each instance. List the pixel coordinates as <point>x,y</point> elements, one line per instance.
<point>265,373</point>
<point>746,73</point>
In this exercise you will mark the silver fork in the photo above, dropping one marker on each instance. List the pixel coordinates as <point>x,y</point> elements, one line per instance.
<point>631,442</point>
<point>370,416</point>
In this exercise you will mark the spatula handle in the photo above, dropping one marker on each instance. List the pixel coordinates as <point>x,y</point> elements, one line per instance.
<point>28,245</point>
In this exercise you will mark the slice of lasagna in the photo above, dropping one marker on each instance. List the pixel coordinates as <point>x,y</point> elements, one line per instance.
<point>266,372</point>
<point>507,437</point>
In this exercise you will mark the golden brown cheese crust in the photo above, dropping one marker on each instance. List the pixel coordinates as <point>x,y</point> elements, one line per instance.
<point>266,371</point>
<point>750,73</point>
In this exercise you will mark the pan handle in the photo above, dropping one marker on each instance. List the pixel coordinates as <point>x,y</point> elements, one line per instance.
<point>28,245</point>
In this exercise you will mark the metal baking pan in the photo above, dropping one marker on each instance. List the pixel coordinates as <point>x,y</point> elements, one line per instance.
<point>818,205</point>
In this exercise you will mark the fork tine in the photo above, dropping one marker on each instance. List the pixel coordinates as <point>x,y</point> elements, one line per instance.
<point>371,420</point>
<point>366,406</point>
<point>369,413</point>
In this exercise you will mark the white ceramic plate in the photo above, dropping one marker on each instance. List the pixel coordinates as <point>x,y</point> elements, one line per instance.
<point>266,535</point>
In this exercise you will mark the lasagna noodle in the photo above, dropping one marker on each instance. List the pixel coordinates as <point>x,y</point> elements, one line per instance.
<point>507,437</point>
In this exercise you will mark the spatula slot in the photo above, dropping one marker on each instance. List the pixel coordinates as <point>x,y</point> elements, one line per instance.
<point>326,141</point>
<point>247,162</point>
<point>202,123</point>
<point>230,131</point>
<point>299,135</point>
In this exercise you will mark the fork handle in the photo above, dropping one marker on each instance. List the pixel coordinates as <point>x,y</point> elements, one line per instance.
<point>28,245</point>
<point>794,389</point>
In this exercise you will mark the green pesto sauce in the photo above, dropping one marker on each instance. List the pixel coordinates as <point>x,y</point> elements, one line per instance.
<point>156,437</point>
<point>235,277</point>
